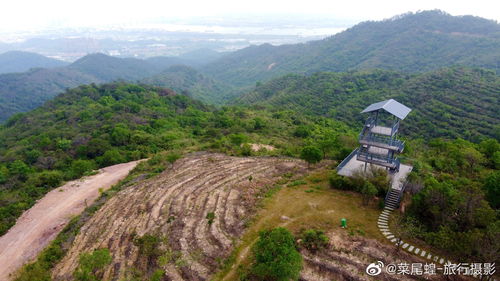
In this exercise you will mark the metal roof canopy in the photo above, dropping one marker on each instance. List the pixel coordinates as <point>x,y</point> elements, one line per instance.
<point>393,107</point>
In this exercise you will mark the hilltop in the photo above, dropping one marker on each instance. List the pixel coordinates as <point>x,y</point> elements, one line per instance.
<point>413,42</point>
<point>17,61</point>
<point>108,68</point>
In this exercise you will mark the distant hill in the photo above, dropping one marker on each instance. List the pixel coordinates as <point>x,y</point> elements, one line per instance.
<point>21,92</point>
<point>108,68</point>
<point>413,42</point>
<point>450,102</point>
<point>194,58</point>
<point>200,57</point>
<point>17,61</point>
<point>189,81</point>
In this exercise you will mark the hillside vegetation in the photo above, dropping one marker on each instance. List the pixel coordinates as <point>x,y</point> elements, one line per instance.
<point>455,182</point>
<point>20,92</point>
<point>190,82</point>
<point>450,102</point>
<point>96,126</point>
<point>411,43</point>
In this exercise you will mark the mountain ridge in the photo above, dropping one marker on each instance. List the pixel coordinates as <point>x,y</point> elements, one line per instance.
<point>412,42</point>
<point>20,61</point>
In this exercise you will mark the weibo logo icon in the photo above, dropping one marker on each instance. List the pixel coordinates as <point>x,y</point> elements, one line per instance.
<point>374,269</point>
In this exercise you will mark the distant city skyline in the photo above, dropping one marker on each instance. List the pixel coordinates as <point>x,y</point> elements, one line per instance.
<point>32,15</point>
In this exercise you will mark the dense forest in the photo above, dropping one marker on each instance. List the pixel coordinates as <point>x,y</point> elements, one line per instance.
<point>450,102</point>
<point>454,193</point>
<point>413,42</point>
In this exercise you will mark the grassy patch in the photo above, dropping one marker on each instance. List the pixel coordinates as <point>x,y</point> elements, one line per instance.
<point>296,183</point>
<point>321,209</point>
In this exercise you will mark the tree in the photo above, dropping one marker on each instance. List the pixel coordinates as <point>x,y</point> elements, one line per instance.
<point>311,154</point>
<point>492,188</point>
<point>259,124</point>
<point>301,132</point>
<point>111,157</point>
<point>47,179</point>
<point>327,143</point>
<point>19,168</point>
<point>79,167</point>
<point>369,191</point>
<point>120,135</point>
<point>276,256</point>
<point>4,174</point>
<point>238,139</point>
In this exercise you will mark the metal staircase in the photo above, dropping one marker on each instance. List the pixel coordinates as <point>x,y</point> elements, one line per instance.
<point>393,198</point>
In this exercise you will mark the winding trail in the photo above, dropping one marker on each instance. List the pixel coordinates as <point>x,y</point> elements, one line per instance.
<point>39,225</point>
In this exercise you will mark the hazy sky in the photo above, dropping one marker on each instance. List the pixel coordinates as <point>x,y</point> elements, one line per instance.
<point>39,14</point>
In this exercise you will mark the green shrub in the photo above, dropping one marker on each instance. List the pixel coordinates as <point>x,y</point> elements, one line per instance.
<point>369,191</point>
<point>46,179</point>
<point>34,272</point>
<point>79,168</point>
<point>111,157</point>
<point>314,240</point>
<point>246,150</point>
<point>276,256</point>
<point>149,245</point>
<point>172,157</point>
<point>311,154</point>
<point>90,265</point>
<point>238,139</point>
<point>340,182</point>
<point>210,217</point>
<point>301,132</point>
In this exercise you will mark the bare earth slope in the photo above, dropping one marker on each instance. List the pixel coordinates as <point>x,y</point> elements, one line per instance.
<point>39,225</point>
<point>175,205</point>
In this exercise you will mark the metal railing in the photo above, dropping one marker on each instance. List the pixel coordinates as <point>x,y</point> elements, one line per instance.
<point>399,192</point>
<point>395,128</point>
<point>394,163</point>
<point>382,140</point>
<point>347,159</point>
<point>371,123</point>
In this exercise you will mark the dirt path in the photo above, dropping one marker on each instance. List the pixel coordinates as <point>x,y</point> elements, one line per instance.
<point>39,225</point>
